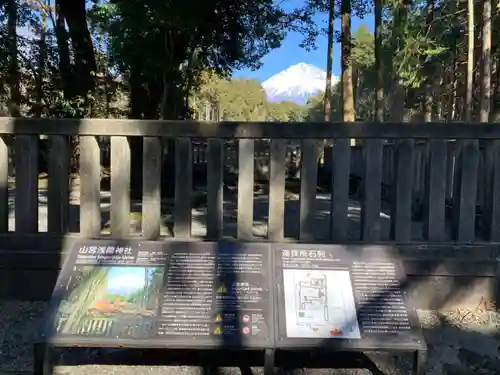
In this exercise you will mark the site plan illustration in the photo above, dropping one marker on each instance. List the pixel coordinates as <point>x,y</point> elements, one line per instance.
<point>319,304</point>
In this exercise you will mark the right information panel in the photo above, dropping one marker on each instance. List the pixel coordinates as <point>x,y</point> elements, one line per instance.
<point>339,292</point>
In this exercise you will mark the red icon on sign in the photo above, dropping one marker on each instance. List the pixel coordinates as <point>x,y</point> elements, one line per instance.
<point>335,332</point>
<point>245,318</point>
<point>246,330</point>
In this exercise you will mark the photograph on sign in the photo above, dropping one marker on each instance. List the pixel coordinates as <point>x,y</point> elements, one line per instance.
<point>319,304</point>
<point>111,302</point>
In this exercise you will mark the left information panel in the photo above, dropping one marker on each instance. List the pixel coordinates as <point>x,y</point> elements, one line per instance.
<point>180,294</point>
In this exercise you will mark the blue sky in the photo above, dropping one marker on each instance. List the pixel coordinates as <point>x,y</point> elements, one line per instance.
<point>124,280</point>
<point>290,53</point>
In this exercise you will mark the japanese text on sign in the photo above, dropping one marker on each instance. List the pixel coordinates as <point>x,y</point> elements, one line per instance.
<point>312,254</point>
<point>105,250</point>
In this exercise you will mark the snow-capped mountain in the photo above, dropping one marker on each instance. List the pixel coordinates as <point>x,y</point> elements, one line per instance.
<point>296,83</point>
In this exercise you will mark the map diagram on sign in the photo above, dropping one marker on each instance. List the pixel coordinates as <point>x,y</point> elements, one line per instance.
<point>319,304</point>
<point>312,300</point>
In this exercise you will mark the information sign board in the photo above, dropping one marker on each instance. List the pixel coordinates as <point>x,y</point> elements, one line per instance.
<point>351,294</point>
<point>152,294</point>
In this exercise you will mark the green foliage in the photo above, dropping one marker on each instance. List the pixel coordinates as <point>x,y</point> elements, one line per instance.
<point>241,100</point>
<point>194,47</point>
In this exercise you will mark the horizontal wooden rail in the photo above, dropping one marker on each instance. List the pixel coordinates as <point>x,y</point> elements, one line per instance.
<point>463,220</point>
<point>279,130</point>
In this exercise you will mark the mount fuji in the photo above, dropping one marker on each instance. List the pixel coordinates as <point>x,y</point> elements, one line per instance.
<point>296,83</point>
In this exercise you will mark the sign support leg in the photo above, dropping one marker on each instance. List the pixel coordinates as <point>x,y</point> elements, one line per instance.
<point>42,359</point>
<point>420,361</point>
<point>269,362</point>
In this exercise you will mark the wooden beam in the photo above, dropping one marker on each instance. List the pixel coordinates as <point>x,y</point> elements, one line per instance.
<point>251,130</point>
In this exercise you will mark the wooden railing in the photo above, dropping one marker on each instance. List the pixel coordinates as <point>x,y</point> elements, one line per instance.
<point>463,213</point>
<point>447,242</point>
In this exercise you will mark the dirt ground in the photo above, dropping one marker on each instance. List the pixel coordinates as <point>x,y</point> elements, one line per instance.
<point>460,343</point>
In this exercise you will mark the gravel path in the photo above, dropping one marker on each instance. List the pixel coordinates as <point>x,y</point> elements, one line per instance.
<point>460,343</point>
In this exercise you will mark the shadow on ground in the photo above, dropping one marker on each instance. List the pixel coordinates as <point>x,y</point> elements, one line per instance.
<point>460,343</point>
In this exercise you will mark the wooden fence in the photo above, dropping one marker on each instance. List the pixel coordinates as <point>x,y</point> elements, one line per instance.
<point>262,152</point>
<point>20,247</point>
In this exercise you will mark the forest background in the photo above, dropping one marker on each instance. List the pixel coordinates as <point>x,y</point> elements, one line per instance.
<point>426,60</point>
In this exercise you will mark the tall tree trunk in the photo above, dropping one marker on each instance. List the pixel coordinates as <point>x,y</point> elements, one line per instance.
<point>63,49</point>
<point>484,112</point>
<point>452,88</point>
<point>440,89</point>
<point>75,15</point>
<point>14,102</point>
<point>428,67</point>
<point>41,61</point>
<point>496,101</point>
<point>470,60</point>
<point>347,85</point>
<point>379,69</point>
<point>329,62</point>
<point>399,92</point>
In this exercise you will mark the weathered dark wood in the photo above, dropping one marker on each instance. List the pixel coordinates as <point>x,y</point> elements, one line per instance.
<point>372,188</point>
<point>151,188</point>
<point>434,224</point>
<point>53,248</point>
<point>341,166</point>
<point>120,187</point>
<point>491,213</point>
<point>276,214</point>
<point>207,129</point>
<point>26,206</point>
<point>245,189</point>
<point>450,167</point>
<point>23,284</point>
<point>465,192</point>
<point>308,183</point>
<point>215,169</point>
<point>90,187</point>
<point>59,184</point>
<point>4,186</point>
<point>497,286</point>
<point>183,187</point>
<point>401,218</point>
<point>29,274</point>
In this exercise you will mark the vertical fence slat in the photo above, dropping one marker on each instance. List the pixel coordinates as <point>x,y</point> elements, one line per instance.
<point>276,214</point>
<point>183,187</point>
<point>90,187</point>
<point>341,166</point>
<point>245,189</point>
<point>372,190</point>
<point>491,211</point>
<point>120,187</point>
<point>4,186</point>
<point>401,217</point>
<point>215,194</point>
<point>308,182</point>
<point>58,189</point>
<point>450,167</point>
<point>151,188</point>
<point>465,192</point>
<point>26,149</point>
<point>435,191</point>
